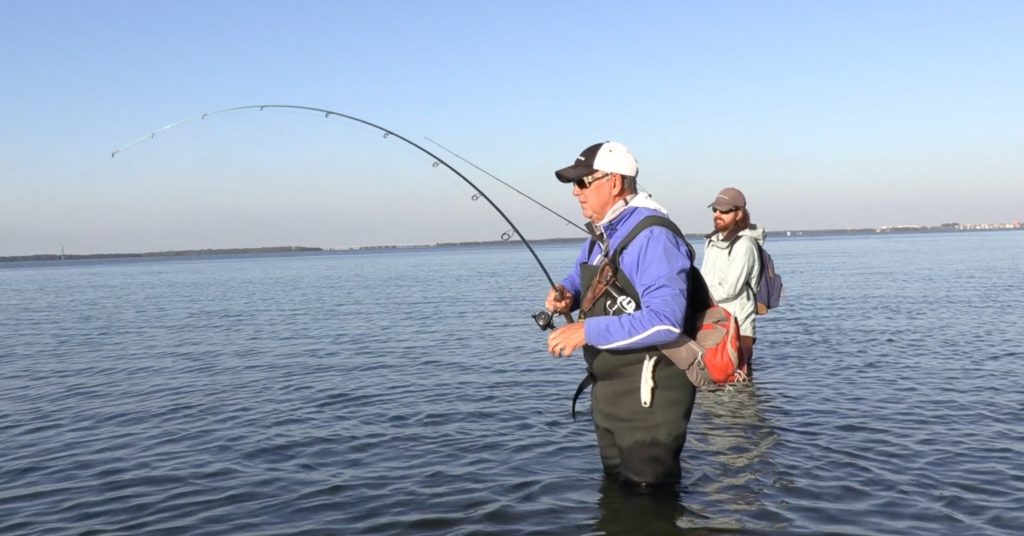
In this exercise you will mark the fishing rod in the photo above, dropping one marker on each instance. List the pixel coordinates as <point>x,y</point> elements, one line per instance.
<point>542,318</point>
<point>387,133</point>
<point>513,188</point>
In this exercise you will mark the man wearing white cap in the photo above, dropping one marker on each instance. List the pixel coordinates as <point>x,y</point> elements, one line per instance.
<point>640,401</point>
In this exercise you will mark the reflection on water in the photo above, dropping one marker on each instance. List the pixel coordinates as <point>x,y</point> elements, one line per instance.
<point>627,509</point>
<point>730,455</point>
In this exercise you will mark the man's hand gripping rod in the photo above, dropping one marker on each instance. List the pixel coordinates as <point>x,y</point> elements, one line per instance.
<point>544,318</point>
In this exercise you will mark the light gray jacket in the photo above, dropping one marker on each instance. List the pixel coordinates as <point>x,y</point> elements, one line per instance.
<point>731,274</point>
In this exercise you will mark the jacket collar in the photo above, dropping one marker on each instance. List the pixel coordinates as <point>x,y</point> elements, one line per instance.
<point>612,219</point>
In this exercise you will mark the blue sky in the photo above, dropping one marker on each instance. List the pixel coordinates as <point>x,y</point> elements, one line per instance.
<point>827,114</point>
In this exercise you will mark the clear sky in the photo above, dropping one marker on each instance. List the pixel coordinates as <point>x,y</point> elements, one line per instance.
<point>828,114</point>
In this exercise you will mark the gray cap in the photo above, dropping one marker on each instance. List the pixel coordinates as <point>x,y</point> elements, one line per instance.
<point>728,199</point>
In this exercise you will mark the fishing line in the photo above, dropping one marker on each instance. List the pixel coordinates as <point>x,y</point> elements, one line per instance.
<point>437,161</point>
<point>516,190</point>
<point>513,188</point>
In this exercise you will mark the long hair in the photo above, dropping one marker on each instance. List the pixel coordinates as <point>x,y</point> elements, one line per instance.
<point>743,220</point>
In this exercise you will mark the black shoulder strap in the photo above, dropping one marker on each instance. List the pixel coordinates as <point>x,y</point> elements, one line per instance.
<point>698,296</point>
<point>648,222</point>
<point>596,236</point>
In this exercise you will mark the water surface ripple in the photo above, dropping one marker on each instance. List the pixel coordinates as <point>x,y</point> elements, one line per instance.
<point>408,392</point>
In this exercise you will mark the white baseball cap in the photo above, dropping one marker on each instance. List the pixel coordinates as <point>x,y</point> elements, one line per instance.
<point>610,157</point>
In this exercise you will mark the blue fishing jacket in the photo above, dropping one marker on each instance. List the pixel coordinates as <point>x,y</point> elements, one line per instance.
<point>656,262</point>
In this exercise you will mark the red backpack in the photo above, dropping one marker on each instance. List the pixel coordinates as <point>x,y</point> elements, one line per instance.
<point>708,351</point>
<point>712,357</point>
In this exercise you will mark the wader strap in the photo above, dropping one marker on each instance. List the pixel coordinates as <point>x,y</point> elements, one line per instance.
<point>588,380</point>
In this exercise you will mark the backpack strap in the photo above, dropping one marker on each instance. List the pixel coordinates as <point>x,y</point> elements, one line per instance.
<point>596,237</point>
<point>609,267</point>
<point>760,256</point>
<point>646,223</point>
<point>698,296</point>
<point>732,243</point>
<point>760,273</point>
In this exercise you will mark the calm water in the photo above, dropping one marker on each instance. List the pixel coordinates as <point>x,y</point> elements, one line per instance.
<point>409,393</point>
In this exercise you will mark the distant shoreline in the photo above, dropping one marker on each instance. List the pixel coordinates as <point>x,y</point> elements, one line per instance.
<point>701,236</point>
<point>573,240</point>
<point>180,253</point>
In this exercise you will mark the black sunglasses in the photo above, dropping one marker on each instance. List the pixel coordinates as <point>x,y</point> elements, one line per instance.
<point>720,211</point>
<point>584,182</point>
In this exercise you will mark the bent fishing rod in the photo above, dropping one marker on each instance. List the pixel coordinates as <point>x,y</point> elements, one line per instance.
<point>387,133</point>
<point>542,318</point>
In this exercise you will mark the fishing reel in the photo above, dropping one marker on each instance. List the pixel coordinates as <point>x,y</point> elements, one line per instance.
<point>544,320</point>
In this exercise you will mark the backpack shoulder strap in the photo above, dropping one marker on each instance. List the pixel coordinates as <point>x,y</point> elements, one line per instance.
<point>733,243</point>
<point>698,297</point>
<point>760,256</point>
<point>648,222</point>
<point>596,237</point>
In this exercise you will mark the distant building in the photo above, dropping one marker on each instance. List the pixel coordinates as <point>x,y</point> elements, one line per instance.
<point>899,228</point>
<point>952,226</point>
<point>989,226</point>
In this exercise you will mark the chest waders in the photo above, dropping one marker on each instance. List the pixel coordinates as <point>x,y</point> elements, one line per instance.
<point>640,444</point>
